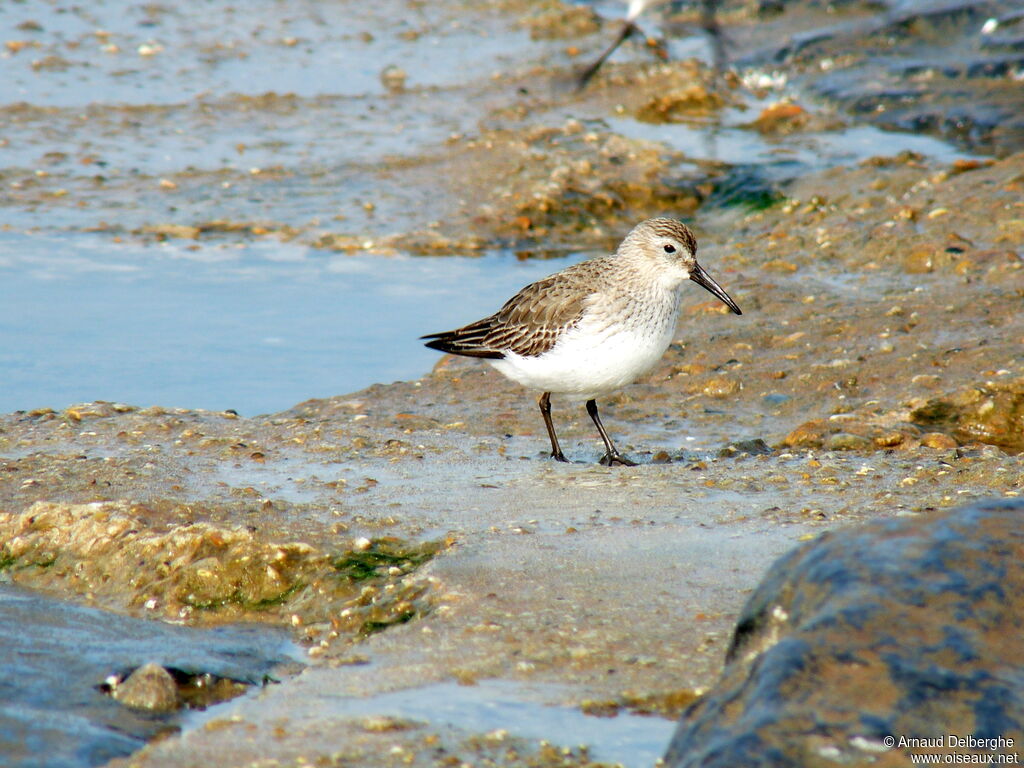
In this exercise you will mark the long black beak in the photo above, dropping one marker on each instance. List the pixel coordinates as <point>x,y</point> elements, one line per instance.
<point>703,279</point>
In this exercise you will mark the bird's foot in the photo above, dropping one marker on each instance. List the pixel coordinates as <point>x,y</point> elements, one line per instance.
<point>559,456</point>
<point>616,460</point>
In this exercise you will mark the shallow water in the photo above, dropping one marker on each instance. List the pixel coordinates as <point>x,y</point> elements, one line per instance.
<point>783,159</point>
<point>254,327</point>
<point>51,712</point>
<point>117,51</point>
<point>633,741</point>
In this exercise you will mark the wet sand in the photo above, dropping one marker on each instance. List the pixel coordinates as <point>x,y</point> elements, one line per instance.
<point>876,372</point>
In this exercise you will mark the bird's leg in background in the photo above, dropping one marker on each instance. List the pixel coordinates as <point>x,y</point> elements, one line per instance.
<point>590,71</point>
<point>612,456</point>
<point>545,409</point>
<point>709,23</point>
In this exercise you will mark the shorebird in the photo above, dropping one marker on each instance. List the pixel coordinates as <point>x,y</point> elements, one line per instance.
<point>593,327</point>
<point>708,23</point>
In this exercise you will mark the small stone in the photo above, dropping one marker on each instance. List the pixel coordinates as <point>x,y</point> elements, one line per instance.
<point>721,387</point>
<point>844,441</point>
<point>779,265</point>
<point>810,434</point>
<point>386,723</point>
<point>938,441</point>
<point>781,118</point>
<point>919,261</point>
<point>149,687</point>
<point>890,439</point>
<point>165,231</point>
<point>754,447</point>
<point>393,78</point>
<point>674,105</point>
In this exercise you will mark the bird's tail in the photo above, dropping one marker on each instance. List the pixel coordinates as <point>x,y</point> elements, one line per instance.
<point>467,342</point>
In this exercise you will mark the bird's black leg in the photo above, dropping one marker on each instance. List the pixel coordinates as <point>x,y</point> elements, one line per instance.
<point>709,22</point>
<point>612,456</point>
<point>590,71</point>
<point>545,409</point>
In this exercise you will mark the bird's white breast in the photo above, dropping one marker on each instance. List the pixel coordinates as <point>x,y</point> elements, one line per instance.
<point>603,352</point>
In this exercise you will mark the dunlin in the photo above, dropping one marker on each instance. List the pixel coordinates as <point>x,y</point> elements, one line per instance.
<point>709,24</point>
<point>593,327</point>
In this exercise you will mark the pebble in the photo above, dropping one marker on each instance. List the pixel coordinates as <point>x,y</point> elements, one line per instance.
<point>938,441</point>
<point>149,687</point>
<point>843,441</point>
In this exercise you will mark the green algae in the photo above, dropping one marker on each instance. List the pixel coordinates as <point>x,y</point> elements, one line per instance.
<point>361,565</point>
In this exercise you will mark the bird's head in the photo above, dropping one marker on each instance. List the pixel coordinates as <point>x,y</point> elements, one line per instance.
<point>671,245</point>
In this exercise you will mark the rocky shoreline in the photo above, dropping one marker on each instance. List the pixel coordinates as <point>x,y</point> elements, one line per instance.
<point>414,535</point>
<point>897,407</point>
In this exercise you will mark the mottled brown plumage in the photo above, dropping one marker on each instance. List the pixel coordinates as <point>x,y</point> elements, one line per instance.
<point>531,321</point>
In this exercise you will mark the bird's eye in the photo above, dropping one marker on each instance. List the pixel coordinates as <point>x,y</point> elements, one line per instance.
<point>669,248</point>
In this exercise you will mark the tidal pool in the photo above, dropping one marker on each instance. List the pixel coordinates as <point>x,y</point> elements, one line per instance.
<point>52,712</point>
<point>251,327</point>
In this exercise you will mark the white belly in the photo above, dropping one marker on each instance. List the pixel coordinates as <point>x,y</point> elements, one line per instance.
<point>592,359</point>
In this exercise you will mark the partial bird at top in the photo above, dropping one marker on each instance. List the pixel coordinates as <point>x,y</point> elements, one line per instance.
<point>709,24</point>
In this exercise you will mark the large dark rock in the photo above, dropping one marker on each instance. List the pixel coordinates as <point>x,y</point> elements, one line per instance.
<point>909,628</point>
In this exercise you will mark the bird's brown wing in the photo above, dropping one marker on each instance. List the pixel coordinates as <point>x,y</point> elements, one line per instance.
<point>529,324</point>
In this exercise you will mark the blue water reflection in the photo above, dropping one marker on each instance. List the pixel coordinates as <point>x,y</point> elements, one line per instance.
<point>255,327</point>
